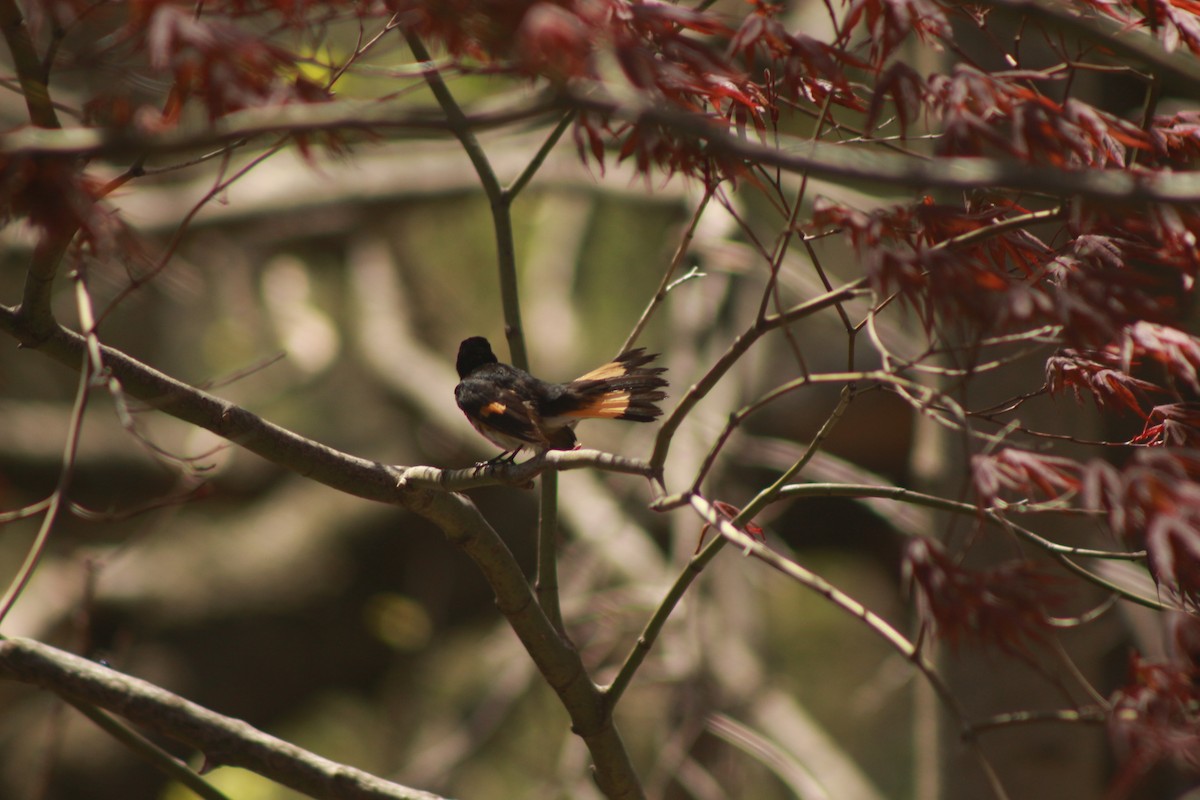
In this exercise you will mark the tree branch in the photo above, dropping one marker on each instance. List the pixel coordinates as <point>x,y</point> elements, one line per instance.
<point>454,514</point>
<point>223,740</point>
<point>294,118</point>
<point>849,164</point>
<point>875,623</point>
<point>30,72</point>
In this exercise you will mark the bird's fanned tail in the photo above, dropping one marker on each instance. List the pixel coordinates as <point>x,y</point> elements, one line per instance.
<point>624,388</point>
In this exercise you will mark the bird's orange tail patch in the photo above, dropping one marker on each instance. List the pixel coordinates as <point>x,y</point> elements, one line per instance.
<point>613,369</point>
<point>611,405</point>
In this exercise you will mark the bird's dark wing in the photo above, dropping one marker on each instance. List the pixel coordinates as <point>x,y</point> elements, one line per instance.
<point>500,409</point>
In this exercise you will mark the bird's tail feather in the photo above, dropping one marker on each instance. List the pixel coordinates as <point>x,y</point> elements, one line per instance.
<point>624,388</point>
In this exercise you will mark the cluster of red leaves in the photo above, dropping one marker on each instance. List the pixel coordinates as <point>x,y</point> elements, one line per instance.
<point>804,67</point>
<point>663,52</point>
<point>1021,472</point>
<point>659,47</point>
<point>1106,375</point>
<point>1172,424</point>
<point>983,113</point>
<point>1004,606</point>
<point>1177,352</point>
<point>886,24</point>
<point>222,65</point>
<point>1096,285</point>
<point>1102,374</point>
<point>674,58</point>
<point>1153,502</point>
<point>1173,22</point>
<point>987,114</point>
<point>993,282</point>
<point>1176,138</point>
<point>56,198</point>
<point>1155,720</point>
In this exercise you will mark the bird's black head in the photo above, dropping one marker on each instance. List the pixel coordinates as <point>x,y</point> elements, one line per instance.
<point>473,353</point>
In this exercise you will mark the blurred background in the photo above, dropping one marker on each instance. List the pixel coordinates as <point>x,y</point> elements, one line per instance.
<point>328,292</point>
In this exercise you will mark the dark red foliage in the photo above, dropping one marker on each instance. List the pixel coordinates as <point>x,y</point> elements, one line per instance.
<point>554,42</point>
<point>661,49</point>
<point>886,24</point>
<point>806,68</point>
<point>987,114</point>
<point>1154,503</point>
<point>990,283</point>
<point>1175,425</point>
<point>1006,606</point>
<point>1155,720</point>
<point>1177,352</point>
<point>1174,22</point>
<point>674,58</point>
<point>226,67</point>
<point>1176,139</point>
<point>1099,289</point>
<point>1024,473</point>
<point>54,195</point>
<point>1101,374</point>
<point>907,91</point>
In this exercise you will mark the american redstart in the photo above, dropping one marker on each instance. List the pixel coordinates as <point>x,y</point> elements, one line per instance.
<point>514,410</point>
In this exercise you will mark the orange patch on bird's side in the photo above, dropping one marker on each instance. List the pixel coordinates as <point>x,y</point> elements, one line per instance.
<point>613,369</point>
<point>493,408</point>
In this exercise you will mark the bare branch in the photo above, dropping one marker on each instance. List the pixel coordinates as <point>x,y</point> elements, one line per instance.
<point>453,513</point>
<point>294,118</point>
<point>30,72</point>
<point>880,167</point>
<point>845,602</point>
<point>223,740</point>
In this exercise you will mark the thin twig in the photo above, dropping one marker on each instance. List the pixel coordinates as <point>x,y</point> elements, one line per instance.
<point>700,560</point>
<point>666,284</point>
<point>146,750</point>
<point>30,71</point>
<point>736,350</point>
<point>546,584</point>
<point>506,258</point>
<point>66,471</point>
<point>876,624</point>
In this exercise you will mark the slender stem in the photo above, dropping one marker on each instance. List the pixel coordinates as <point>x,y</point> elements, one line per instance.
<point>875,623</point>
<point>148,751</point>
<point>654,626</point>
<point>546,584</point>
<point>539,157</point>
<point>665,285</point>
<point>699,561</point>
<point>500,202</point>
<point>55,503</point>
<point>1088,714</point>
<point>30,70</point>
<point>736,350</point>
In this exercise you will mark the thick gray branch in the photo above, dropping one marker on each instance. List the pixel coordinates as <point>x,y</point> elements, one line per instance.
<point>222,740</point>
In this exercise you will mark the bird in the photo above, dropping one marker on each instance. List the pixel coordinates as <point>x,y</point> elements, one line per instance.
<point>514,410</point>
